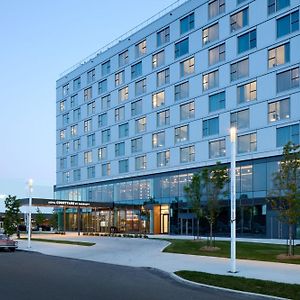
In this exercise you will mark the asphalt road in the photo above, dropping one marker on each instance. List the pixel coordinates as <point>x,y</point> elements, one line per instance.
<point>30,276</point>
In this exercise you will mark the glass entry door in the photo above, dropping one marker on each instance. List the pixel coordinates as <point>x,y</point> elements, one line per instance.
<point>164,223</point>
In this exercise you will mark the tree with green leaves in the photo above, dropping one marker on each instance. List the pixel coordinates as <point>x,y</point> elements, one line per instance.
<point>11,218</point>
<point>285,195</point>
<point>39,217</point>
<point>54,220</point>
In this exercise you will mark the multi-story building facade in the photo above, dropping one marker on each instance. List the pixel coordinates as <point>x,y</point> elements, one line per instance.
<point>137,120</point>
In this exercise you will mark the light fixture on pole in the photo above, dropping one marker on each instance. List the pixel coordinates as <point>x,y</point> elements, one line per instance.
<point>233,201</point>
<point>30,184</point>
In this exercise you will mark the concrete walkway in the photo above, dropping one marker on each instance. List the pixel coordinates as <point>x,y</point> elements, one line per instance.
<point>147,253</point>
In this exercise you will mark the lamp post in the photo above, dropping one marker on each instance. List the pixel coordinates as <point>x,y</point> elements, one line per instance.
<point>233,201</point>
<point>30,184</point>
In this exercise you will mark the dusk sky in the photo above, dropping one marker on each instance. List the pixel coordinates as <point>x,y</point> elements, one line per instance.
<point>40,40</point>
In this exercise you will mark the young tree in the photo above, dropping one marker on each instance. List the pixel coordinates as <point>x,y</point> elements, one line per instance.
<point>54,220</point>
<point>285,195</point>
<point>11,218</point>
<point>39,218</point>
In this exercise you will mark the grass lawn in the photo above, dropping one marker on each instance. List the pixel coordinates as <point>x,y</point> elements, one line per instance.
<point>253,251</point>
<point>61,242</point>
<point>290,291</point>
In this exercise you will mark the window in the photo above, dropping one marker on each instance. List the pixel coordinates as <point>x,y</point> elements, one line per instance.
<point>158,99</point>
<point>239,20</point>
<point>123,58</point>
<point>102,120</point>
<point>158,139</point>
<point>288,24</point>
<point>105,134</point>
<point>181,91</point>
<point>187,154</point>
<point>216,54</point>
<point>91,172</point>
<point>239,69</point>
<point>287,134</point>
<point>76,114</point>
<point>62,134</point>
<point>87,125</point>
<point>65,90</point>
<point>76,84</point>
<point>187,23</point>
<point>163,77</point>
<point>217,148</point>
<point>76,175</point>
<point>91,108</point>
<point>65,119</point>
<point>158,59</point>
<point>140,125</point>
<point>123,130</point>
<point>210,34</point>
<point>140,49</point>
<point>137,145</point>
<point>141,162</point>
<point>182,48</point>
<point>66,148</point>
<point>136,107</point>
<point>187,111</point>
<point>210,80</point>
<point>163,36</point>
<point>215,8</point>
<point>105,102</point>
<point>276,5</point>
<point>136,70</point>
<point>102,86</point>
<point>216,101</point>
<point>123,166</point>
<point>66,177</point>
<point>105,68</point>
<point>88,157</point>
<point>74,130</point>
<point>181,134</point>
<point>76,145</point>
<point>240,119</point>
<point>91,75</point>
<point>210,127</point>
<point>120,114</point>
<point>74,100</point>
<point>105,168</point>
<point>102,153</point>
<point>279,55</point>
<point>119,149</point>
<point>63,163</point>
<point>87,95</point>
<point>247,143</point>
<point>74,161</point>
<point>246,92</point>
<point>279,110</point>
<point>140,87</point>
<point>247,41</point>
<point>91,140</point>
<point>288,80</point>
<point>119,78</point>
<point>163,158</point>
<point>187,67</point>
<point>123,94</point>
<point>62,105</point>
<point>163,118</point>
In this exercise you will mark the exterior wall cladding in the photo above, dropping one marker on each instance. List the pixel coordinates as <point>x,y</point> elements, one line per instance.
<point>138,119</point>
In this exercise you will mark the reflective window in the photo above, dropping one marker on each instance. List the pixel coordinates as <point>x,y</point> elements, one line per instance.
<point>163,118</point>
<point>141,162</point>
<point>102,153</point>
<point>136,70</point>
<point>140,49</point>
<point>210,127</point>
<point>217,148</point>
<point>105,168</point>
<point>91,75</point>
<point>163,158</point>
<point>187,67</point>
<point>210,80</point>
<point>239,20</point>
<point>187,23</point>
<point>119,78</point>
<point>246,92</point>
<point>240,119</point>
<point>102,86</point>
<point>215,8</point>
<point>288,80</point>
<point>210,34</point>
<point>105,135</point>
<point>102,120</point>
<point>140,87</point>
<point>158,139</point>
<point>123,94</point>
<point>187,154</point>
<point>140,125</point>
<point>136,107</point>
<point>181,91</point>
<point>123,166</point>
<point>288,24</point>
<point>87,94</point>
<point>76,84</point>
<point>247,41</point>
<point>137,145</point>
<point>163,77</point>
<point>119,149</point>
<point>239,69</point>
<point>163,36</point>
<point>287,134</point>
<point>123,130</point>
<point>158,59</point>
<point>182,134</point>
<point>276,5</point>
<point>120,114</point>
<point>247,143</point>
<point>182,48</point>
<point>123,58</point>
<point>105,102</point>
<point>187,111</point>
<point>216,54</point>
<point>158,99</point>
<point>216,101</point>
<point>279,110</point>
<point>105,68</point>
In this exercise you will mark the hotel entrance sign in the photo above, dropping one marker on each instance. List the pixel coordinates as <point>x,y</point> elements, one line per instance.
<point>68,203</point>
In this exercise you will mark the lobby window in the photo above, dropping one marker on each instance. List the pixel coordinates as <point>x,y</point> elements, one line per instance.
<point>163,36</point>
<point>87,94</point>
<point>216,101</point>
<point>62,134</point>
<point>136,70</point>
<point>66,148</point>
<point>105,102</point>
<point>217,148</point>
<point>87,125</point>
<point>76,145</point>
<point>123,58</point>
<point>182,48</point>
<point>123,94</point>
<point>76,84</point>
<point>288,80</point>
<point>136,145</point>
<point>136,107</point>
<point>181,134</point>
<point>163,77</point>
<point>66,177</point>
<point>91,75</point>
<point>163,158</point>
<point>279,55</point>
<point>88,157</point>
<point>140,87</point>
<point>140,125</point>
<point>239,69</point>
<point>123,130</point>
<point>91,108</point>
<point>119,78</point>
<point>63,163</point>
<point>120,149</point>
<point>276,5</point>
<point>181,91</point>
<point>74,161</point>
<point>215,8</point>
<point>158,59</point>
<point>246,143</point>
<point>65,90</point>
<point>158,99</point>
<point>279,110</point>
<point>140,49</point>
<point>187,67</point>
<point>74,130</point>
<point>187,111</point>
<point>65,119</point>
<point>141,162</point>
<point>105,68</point>
<point>74,100</point>
<point>287,134</point>
<point>210,80</point>
<point>216,54</point>
<point>105,168</point>
<point>210,34</point>
<point>187,23</point>
<point>239,20</point>
<point>210,127</point>
<point>91,172</point>
<point>163,118</point>
<point>120,114</point>
<point>288,24</point>
<point>123,166</point>
<point>247,41</point>
<point>91,140</point>
<point>105,135</point>
<point>102,120</point>
<point>102,153</point>
<point>246,92</point>
<point>158,139</point>
<point>76,175</point>
<point>102,86</point>
<point>62,105</point>
<point>240,119</point>
<point>187,154</point>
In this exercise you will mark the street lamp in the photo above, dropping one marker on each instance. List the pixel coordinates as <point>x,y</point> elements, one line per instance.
<point>233,201</point>
<point>29,184</point>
